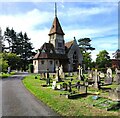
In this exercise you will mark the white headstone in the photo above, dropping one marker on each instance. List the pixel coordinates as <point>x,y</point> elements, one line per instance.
<point>60,70</point>
<point>102,75</point>
<point>109,72</point>
<point>54,85</point>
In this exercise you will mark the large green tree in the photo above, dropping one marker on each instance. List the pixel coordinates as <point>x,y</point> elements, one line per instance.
<point>19,44</point>
<point>87,60</point>
<point>24,49</point>
<point>10,37</point>
<point>85,46</point>
<point>103,59</point>
<point>12,60</point>
<point>3,65</point>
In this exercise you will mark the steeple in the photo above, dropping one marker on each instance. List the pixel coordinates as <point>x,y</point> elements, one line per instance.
<point>56,35</point>
<point>55,10</point>
<point>56,27</point>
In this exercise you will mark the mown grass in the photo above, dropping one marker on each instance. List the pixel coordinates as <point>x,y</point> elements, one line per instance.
<point>5,75</point>
<point>66,107</point>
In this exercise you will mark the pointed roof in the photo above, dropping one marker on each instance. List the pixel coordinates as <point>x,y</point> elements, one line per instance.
<point>56,27</point>
<point>47,51</point>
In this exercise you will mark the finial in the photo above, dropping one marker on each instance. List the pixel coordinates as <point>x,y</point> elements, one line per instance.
<point>55,9</point>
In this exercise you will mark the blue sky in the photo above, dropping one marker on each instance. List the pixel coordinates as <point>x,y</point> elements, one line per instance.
<point>96,20</point>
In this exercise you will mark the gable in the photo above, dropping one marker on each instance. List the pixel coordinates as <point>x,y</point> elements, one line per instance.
<point>75,48</point>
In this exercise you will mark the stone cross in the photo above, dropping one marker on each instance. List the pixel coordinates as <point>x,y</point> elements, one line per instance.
<point>79,74</point>
<point>81,71</point>
<point>96,79</point>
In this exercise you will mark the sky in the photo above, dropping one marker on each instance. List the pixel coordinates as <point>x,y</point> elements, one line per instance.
<point>90,19</point>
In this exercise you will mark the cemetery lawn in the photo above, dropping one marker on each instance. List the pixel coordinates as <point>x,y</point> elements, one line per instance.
<point>5,75</point>
<point>83,106</point>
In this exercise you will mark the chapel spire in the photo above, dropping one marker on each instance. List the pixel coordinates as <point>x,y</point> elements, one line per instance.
<point>56,35</point>
<point>55,9</point>
<point>56,27</point>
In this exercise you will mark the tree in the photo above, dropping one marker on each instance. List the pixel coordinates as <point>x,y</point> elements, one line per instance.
<point>3,65</point>
<point>10,37</point>
<point>87,60</point>
<point>19,44</point>
<point>24,49</point>
<point>103,59</point>
<point>12,60</point>
<point>84,44</point>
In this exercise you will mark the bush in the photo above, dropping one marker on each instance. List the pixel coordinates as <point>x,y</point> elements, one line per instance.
<point>31,68</point>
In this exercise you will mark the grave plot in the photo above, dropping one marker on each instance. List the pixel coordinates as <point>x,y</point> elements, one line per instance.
<point>58,98</point>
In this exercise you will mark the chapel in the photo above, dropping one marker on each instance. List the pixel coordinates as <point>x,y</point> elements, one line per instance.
<point>56,52</point>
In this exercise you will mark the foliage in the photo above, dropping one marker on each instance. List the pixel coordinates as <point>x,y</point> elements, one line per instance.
<point>19,44</point>
<point>84,44</point>
<point>11,59</point>
<point>103,59</point>
<point>3,65</point>
<point>87,60</point>
<point>5,75</point>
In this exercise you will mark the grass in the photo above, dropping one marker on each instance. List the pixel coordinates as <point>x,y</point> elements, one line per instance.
<point>66,107</point>
<point>5,75</point>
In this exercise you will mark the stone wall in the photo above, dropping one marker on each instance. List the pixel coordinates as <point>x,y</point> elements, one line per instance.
<point>39,66</point>
<point>74,48</point>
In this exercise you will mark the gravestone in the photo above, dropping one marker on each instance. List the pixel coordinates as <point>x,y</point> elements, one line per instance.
<point>54,85</point>
<point>47,74</point>
<point>83,89</point>
<point>117,77</point>
<point>43,76</point>
<point>60,70</point>
<point>71,74</point>
<point>63,75</point>
<point>102,75</point>
<point>108,79</point>
<point>64,87</point>
<point>90,74</point>
<point>96,79</point>
<point>115,94</point>
<point>57,74</point>
<point>9,70</point>
<point>78,85</point>
<point>69,87</point>
<point>59,86</point>
<point>48,81</point>
<point>80,73</point>
<point>109,70</point>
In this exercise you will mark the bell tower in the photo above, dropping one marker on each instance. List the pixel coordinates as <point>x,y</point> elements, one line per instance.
<point>56,35</point>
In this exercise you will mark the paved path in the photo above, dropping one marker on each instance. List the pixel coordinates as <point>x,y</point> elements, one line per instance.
<point>17,101</point>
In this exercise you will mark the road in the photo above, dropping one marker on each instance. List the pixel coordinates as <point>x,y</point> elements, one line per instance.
<point>17,101</point>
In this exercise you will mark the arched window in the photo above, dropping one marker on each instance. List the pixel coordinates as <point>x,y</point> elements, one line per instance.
<point>75,61</point>
<point>75,56</point>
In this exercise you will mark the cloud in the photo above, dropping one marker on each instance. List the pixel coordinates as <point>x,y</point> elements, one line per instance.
<point>27,23</point>
<point>35,23</point>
